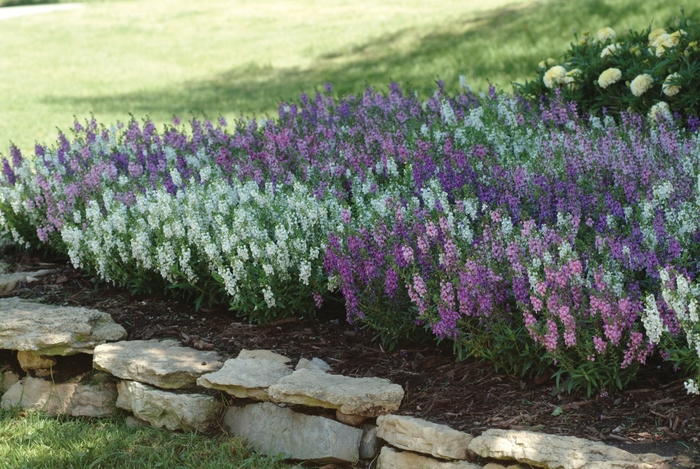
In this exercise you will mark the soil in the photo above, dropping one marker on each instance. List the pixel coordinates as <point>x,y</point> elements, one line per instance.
<point>653,414</point>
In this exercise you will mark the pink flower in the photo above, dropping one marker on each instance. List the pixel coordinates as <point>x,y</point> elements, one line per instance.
<point>551,338</point>
<point>407,254</point>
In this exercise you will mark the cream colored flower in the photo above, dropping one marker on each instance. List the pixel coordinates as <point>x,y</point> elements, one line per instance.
<point>656,33</point>
<point>604,34</point>
<point>610,49</point>
<point>663,42</point>
<point>554,76</point>
<point>671,86</point>
<point>608,77</point>
<point>641,84</point>
<point>570,78</point>
<point>660,110</point>
<point>675,37</point>
<point>546,63</point>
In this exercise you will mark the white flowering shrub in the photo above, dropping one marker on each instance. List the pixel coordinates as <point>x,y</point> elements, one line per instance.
<point>257,247</point>
<point>647,72</point>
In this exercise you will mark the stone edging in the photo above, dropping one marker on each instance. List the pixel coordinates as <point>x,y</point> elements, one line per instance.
<point>304,413</point>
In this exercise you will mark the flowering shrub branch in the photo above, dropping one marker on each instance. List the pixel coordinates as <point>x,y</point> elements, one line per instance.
<point>652,72</point>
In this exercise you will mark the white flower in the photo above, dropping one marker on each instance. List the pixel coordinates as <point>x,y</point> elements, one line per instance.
<point>691,387</point>
<point>660,111</point>
<point>546,63</point>
<point>570,78</point>
<point>610,49</point>
<point>656,33</point>
<point>609,77</point>
<point>665,41</point>
<point>304,272</point>
<point>448,114</point>
<point>463,83</point>
<point>641,84</point>
<point>554,76</point>
<point>603,34</point>
<point>651,319</point>
<point>671,86</point>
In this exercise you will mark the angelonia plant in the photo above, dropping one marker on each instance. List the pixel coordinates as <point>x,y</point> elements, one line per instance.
<point>529,236</point>
<point>652,72</point>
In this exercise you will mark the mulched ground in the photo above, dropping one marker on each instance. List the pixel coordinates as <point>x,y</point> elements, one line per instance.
<point>654,414</point>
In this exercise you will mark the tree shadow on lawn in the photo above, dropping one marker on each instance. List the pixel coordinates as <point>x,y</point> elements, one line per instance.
<point>494,47</point>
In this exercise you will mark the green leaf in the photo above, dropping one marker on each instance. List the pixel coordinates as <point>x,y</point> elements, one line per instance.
<point>557,412</point>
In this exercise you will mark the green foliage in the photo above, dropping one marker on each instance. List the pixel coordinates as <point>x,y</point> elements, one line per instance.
<point>633,74</point>
<point>576,373</point>
<point>394,321</point>
<point>507,346</point>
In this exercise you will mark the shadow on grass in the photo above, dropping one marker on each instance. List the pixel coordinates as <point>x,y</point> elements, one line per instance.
<point>497,47</point>
<point>16,3</point>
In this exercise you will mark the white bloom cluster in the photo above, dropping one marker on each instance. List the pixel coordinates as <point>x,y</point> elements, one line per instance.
<point>651,319</point>
<point>682,298</point>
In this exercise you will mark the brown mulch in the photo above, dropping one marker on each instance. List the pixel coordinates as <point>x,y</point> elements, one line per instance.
<point>653,414</point>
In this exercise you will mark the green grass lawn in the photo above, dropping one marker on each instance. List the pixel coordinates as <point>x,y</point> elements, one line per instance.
<point>160,58</point>
<point>35,441</point>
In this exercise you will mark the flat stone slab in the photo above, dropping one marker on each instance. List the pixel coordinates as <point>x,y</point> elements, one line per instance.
<point>165,364</point>
<point>76,399</point>
<point>8,282</point>
<point>558,452</point>
<point>174,411</point>
<point>421,436</point>
<point>249,375</point>
<point>54,330</point>
<point>274,430</point>
<point>369,397</point>
<point>389,458</point>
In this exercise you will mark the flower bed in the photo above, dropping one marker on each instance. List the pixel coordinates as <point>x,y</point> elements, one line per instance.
<point>532,237</point>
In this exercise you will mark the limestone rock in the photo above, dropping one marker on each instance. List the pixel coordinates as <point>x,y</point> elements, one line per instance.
<point>135,422</point>
<point>7,380</point>
<point>76,399</point>
<point>263,355</point>
<point>29,361</point>
<point>93,400</point>
<point>421,436</point>
<point>164,364</point>
<point>272,430</point>
<point>369,444</point>
<point>359,396</point>
<point>8,282</point>
<point>389,458</point>
<point>349,419</point>
<point>313,364</point>
<point>54,330</point>
<point>249,375</point>
<point>188,412</point>
<point>558,452</point>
